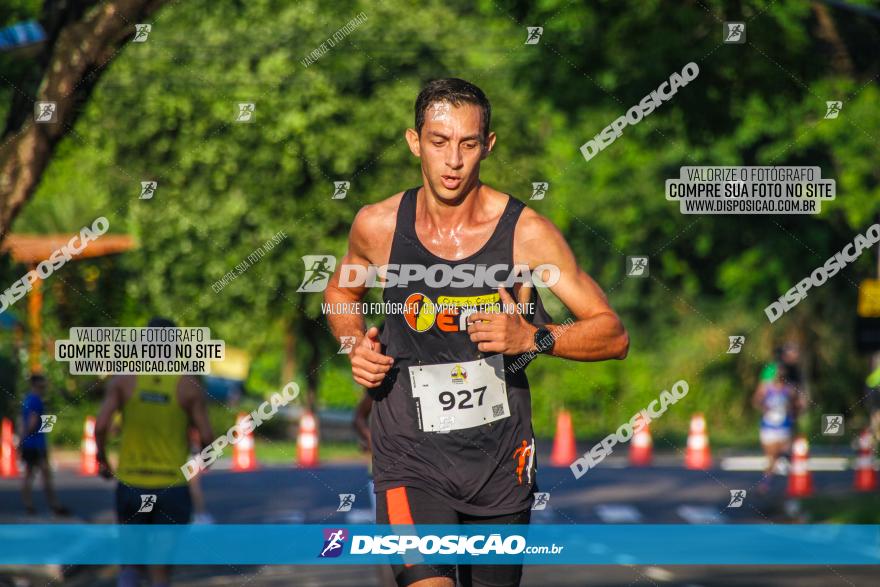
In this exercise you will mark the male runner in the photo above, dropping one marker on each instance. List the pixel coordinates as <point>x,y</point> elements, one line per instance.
<point>445,444</point>
<point>779,403</point>
<point>157,412</point>
<point>35,449</point>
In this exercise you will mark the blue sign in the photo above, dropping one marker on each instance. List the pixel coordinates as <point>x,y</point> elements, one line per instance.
<point>21,34</point>
<point>309,544</point>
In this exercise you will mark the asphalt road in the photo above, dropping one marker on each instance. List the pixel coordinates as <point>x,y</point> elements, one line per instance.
<point>613,493</point>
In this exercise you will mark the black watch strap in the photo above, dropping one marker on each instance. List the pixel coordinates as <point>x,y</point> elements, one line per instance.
<point>544,340</point>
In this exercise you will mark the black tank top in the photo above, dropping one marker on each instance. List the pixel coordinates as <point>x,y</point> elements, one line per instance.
<point>484,470</point>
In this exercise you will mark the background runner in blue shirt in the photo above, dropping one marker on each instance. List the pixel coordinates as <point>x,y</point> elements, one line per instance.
<point>34,447</point>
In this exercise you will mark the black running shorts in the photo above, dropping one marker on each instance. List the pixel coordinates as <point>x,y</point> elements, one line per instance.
<point>135,505</point>
<point>408,505</point>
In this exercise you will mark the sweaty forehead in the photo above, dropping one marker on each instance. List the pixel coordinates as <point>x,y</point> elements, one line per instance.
<point>464,118</point>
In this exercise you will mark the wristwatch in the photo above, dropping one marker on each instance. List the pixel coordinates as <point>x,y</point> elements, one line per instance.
<point>544,340</point>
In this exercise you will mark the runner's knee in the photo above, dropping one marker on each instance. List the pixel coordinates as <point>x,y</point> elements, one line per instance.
<point>434,582</point>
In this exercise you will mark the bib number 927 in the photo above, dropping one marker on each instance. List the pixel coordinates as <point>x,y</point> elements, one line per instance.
<point>464,397</point>
<point>442,406</point>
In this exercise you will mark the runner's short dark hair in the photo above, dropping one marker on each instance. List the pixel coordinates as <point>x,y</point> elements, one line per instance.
<point>36,378</point>
<point>456,92</point>
<point>783,371</point>
<point>160,322</point>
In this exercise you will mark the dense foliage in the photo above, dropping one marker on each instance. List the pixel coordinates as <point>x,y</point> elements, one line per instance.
<point>165,111</point>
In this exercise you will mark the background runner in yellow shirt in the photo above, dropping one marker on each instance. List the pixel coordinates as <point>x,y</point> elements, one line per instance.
<point>157,411</point>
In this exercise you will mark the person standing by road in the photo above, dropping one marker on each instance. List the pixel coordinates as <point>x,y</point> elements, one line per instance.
<point>34,447</point>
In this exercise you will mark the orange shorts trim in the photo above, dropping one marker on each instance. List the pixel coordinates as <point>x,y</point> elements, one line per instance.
<point>398,508</point>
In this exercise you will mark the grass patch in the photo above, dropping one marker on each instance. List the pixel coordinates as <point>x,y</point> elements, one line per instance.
<point>284,451</point>
<point>859,508</point>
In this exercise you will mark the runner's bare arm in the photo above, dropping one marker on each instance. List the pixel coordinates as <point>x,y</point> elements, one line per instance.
<point>598,333</point>
<point>800,401</point>
<point>32,424</point>
<point>758,396</point>
<point>196,407</point>
<point>360,245</point>
<point>369,243</point>
<point>112,404</point>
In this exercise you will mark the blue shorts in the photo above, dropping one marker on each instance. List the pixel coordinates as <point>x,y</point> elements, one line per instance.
<point>34,456</point>
<point>171,505</point>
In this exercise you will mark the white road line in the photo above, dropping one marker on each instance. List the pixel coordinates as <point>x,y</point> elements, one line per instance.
<point>291,517</point>
<point>760,463</point>
<point>360,517</point>
<point>621,513</point>
<point>699,514</point>
<point>659,574</point>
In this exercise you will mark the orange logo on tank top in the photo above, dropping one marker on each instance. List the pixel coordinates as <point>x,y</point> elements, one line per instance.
<point>522,453</point>
<point>419,312</point>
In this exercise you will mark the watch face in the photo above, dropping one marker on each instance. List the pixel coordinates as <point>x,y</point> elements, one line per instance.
<point>543,340</point>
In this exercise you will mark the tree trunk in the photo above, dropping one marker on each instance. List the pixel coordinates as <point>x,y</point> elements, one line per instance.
<point>288,361</point>
<point>313,379</point>
<point>81,39</point>
<point>841,62</point>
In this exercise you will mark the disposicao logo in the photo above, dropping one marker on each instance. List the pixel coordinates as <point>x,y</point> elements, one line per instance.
<point>334,541</point>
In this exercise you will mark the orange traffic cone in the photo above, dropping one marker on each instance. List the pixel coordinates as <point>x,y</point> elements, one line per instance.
<point>307,441</point>
<point>697,455</point>
<point>88,462</point>
<point>564,449</point>
<point>641,448</point>
<point>800,480</point>
<point>243,455</point>
<point>8,458</point>
<point>866,476</point>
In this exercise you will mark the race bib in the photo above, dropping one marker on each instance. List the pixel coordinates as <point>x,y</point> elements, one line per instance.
<point>455,396</point>
<point>775,416</point>
<point>777,411</point>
